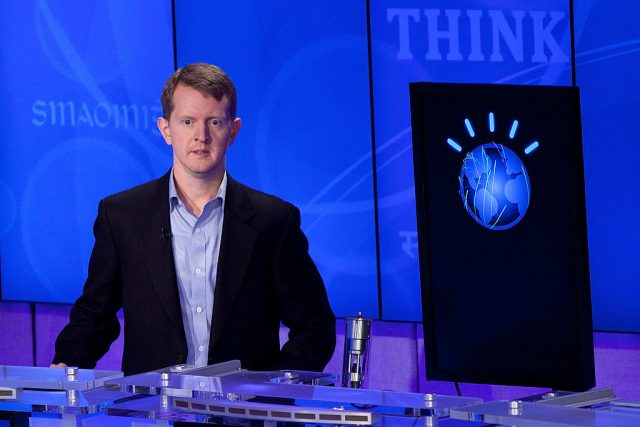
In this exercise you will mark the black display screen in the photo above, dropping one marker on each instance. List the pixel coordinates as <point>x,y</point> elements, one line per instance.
<point>502,234</point>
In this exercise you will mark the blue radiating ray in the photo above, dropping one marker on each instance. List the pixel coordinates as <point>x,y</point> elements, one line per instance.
<point>514,128</point>
<point>531,147</point>
<point>492,123</point>
<point>454,145</point>
<point>467,123</point>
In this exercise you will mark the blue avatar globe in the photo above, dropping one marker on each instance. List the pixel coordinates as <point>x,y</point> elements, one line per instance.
<point>494,186</point>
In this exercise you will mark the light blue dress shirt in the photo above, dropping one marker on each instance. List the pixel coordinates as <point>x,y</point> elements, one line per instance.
<point>196,246</point>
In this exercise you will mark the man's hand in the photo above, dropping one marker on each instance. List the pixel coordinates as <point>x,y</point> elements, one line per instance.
<point>58,365</point>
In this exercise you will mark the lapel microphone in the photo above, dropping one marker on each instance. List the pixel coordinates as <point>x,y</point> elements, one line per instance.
<point>165,234</point>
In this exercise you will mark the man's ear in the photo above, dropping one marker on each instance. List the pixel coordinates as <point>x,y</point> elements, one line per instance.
<point>235,129</point>
<point>163,127</point>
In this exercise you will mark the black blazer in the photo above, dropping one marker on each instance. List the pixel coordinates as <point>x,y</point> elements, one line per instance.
<point>265,276</point>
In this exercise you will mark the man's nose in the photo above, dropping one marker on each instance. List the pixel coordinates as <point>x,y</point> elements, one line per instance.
<point>201,132</point>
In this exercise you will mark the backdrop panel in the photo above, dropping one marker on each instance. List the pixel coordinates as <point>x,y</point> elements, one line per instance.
<point>303,94</point>
<point>80,98</point>
<point>608,72</point>
<point>461,41</point>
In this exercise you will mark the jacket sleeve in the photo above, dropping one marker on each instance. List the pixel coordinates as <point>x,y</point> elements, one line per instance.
<point>305,306</point>
<point>93,324</point>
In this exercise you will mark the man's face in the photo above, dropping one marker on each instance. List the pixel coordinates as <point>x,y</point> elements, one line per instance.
<point>200,131</point>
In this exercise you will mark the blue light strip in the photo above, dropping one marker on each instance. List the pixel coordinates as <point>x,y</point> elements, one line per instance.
<point>467,123</point>
<point>492,123</point>
<point>531,147</point>
<point>454,145</point>
<point>514,128</point>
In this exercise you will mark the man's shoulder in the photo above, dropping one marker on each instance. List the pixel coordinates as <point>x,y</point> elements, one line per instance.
<point>260,201</point>
<point>140,195</point>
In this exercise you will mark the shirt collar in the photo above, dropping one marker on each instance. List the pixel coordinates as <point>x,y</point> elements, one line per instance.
<point>174,199</point>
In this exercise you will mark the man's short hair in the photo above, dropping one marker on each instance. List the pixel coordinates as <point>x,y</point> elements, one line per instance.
<point>207,79</point>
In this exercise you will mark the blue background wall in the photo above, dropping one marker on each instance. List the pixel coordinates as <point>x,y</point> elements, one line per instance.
<point>608,72</point>
<point>80,97</point>
<point>445,41</point>
<point>80,89</point>
<point>315,153</point>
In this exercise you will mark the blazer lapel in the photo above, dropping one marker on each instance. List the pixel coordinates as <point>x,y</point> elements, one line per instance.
<point>236,246</point>
<point>155,233</point>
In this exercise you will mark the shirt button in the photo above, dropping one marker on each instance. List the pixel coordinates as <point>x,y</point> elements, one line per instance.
<point>199,309</point>
<point>198,230</point>
<point>201,348</point>
<point>197,271</point>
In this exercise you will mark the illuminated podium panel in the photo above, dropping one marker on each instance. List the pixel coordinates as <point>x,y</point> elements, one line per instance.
<point>226,395</point>
<point>223,394</point>
<point>48,396</point>
<point>530,414</point>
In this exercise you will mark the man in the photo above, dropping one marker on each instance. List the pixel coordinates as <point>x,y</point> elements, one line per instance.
<point>204,267</point>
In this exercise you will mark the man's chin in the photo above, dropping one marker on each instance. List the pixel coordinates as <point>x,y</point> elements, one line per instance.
<point>207,172</point>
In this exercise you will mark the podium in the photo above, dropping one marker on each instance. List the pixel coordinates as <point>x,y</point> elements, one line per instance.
<point>227,395</point>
